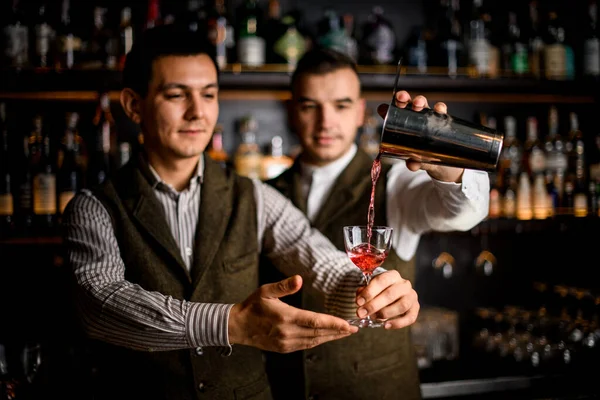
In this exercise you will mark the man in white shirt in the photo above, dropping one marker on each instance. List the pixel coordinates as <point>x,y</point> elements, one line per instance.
<point>330,181</point>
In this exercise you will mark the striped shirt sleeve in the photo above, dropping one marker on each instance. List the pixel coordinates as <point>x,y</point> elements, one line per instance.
<point>294,247</point>
<point>120,312</point>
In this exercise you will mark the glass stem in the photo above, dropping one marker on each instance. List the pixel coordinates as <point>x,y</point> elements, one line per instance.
<point>367,280</point>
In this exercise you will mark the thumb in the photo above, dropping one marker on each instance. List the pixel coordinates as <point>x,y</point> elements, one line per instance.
<point>283,288</point>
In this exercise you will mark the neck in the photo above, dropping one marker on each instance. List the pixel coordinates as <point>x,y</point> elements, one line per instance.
<point>176,173</point>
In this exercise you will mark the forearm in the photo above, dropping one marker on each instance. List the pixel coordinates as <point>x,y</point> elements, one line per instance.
<point>120,312</point>
<point>295,248</point>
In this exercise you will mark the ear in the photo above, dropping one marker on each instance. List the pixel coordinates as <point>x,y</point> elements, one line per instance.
<point>131,103</point>
<point>361,109</point>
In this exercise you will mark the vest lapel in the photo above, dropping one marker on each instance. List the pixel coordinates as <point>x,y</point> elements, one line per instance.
<point>147,210</point>
<point>346,190</point>
<point>290,185</point>
<point>215,210</point>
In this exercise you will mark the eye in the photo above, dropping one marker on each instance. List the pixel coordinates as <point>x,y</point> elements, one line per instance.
<point>307,106</point>
<point>174,95</point>
<point>210,95</point>
<point>342,106</point>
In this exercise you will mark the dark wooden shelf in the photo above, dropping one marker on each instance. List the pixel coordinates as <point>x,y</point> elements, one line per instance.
<point>271,82</point>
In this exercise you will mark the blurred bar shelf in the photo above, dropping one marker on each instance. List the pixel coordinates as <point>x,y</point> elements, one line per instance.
<point>270,82</point>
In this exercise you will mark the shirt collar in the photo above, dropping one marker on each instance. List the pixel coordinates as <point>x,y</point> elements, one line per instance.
<point>332,169</point>
<point>195,180</point>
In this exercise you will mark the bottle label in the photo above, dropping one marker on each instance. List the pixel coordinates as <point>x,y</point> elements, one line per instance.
<point>44,194</point>
<point>17,44</point>
<point>555,61</point>
<point>479,53</point>
<point>248,165</point>
<point>252,51</point>
<point>290,46</point>
<point>63,199</point>
<point>6,204</point>
<point>25,197</point>
<point>537,161</point>
<point>580,205</point>
<point>43,37</point>
<point>520,60</point>
<point>383,41</point>
<point>591,57</point>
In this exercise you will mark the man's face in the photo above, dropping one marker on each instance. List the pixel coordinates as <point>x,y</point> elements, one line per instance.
<point>180,111</point>
<point>326,112</point>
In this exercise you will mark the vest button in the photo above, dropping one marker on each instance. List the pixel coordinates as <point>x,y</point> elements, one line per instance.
<point>313,397</point>
<point>199,351</point>
<point>312,358</point>
<point>201,387</point>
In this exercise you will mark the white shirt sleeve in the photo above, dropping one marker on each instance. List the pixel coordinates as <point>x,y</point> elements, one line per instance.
<point>417,204</point>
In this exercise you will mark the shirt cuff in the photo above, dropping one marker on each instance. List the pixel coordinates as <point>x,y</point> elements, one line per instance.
<point>208,325</point>
<point>468,188</point>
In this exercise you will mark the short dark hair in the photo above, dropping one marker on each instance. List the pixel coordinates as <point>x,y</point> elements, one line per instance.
<point>321,61</point>
<point>161,41</point>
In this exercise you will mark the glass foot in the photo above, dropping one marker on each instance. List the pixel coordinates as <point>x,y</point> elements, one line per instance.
<point>366,323</point>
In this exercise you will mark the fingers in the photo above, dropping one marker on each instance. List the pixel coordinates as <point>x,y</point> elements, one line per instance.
<point>405,320</point>
<point>282,288</point>
<point>311,324</point>
<point>388,296</point>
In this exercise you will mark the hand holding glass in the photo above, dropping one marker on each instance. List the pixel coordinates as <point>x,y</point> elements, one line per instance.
<point>367,249</point>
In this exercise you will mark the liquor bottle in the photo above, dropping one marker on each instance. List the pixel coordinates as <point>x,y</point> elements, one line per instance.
<point>6,198</point>
<point>351,40</point>
<point>216,151</point>
<point>514,50</point>
<point>524,203</point>
<point>291,45</point>
<point>330,32</point>
<point>44,36</point>
<point>378,39</point>
<point>152,14</point>
<point>540,197</point>
<point>248,157</point>
<point>416,49</point>
<point>276,29</point>
<point>68,43</point>
<point>479,44</point>
<point>512,150</point>
<point>15,38</point>
<point>555,53</point>
<point>251,44</point>
<point>536,42</point>
<point>369,138</point>
<point>102,159</point>
<point>591,44</point>
<point>196,15</point>
<point>575,147</point>
<point>95,49</point>
<point>554,146</point>
<point>534,157</point>
<point>70,175</point>
<point>449,38</point>
<point>275,162</point>
<point>44,185</point>
<point>221,34</point>
<point>125,36</point>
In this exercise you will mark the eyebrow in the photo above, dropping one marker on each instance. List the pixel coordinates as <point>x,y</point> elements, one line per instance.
<point>167,86</point>
<point>304,99</point>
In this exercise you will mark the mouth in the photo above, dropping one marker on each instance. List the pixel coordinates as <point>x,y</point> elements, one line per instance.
<point>191,131</point>
<point>324,140</point>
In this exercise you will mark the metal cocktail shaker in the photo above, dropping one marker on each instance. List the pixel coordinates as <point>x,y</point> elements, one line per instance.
<point>435,138</point>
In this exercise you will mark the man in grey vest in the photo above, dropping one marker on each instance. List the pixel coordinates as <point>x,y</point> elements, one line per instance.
<point>165,254</point>
<point>330,181</point>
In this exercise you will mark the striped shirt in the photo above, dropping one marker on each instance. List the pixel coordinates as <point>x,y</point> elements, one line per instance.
<point>123,313</point>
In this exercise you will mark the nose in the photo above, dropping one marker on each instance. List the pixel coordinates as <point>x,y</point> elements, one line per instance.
<point>327,118</point>
<point>195,107</point>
